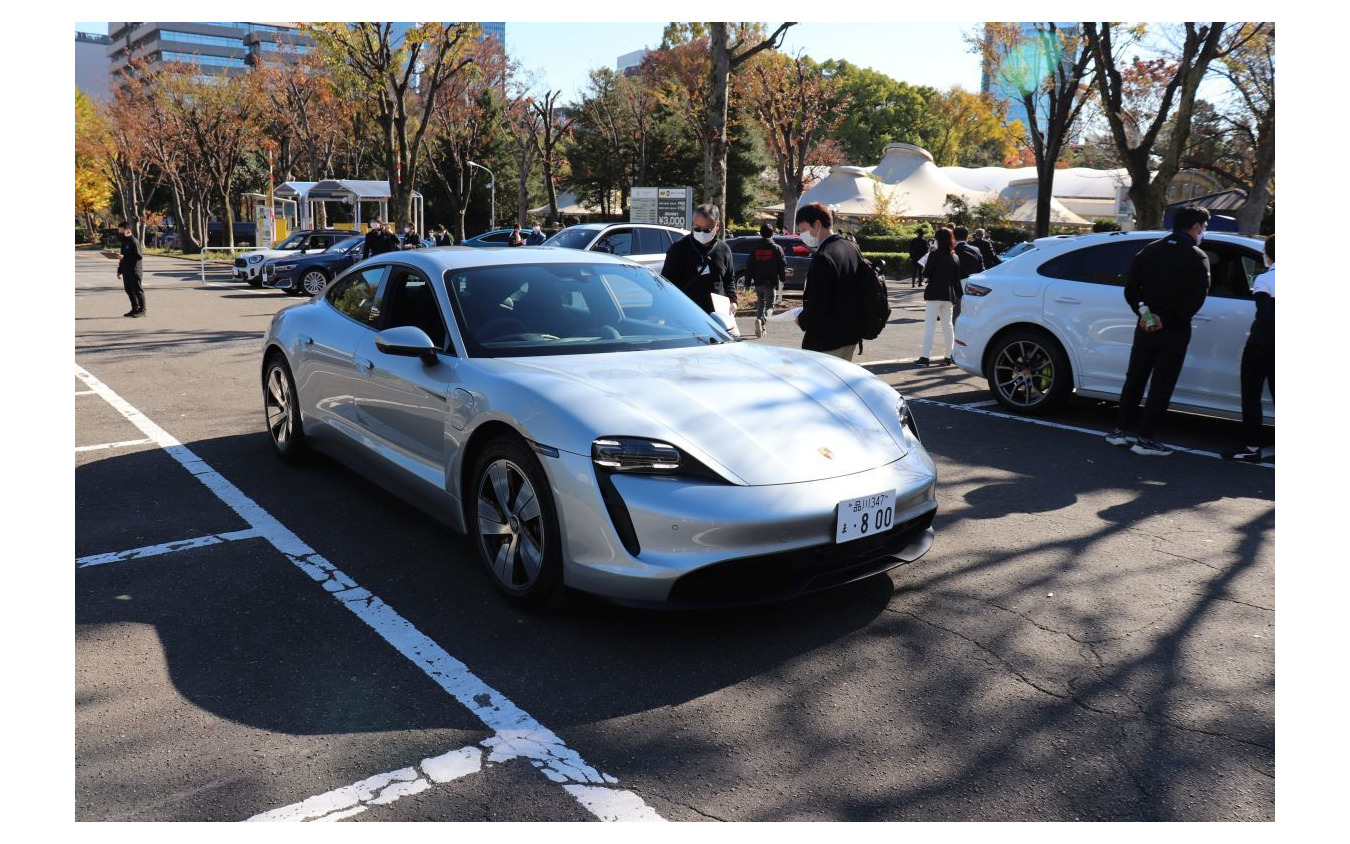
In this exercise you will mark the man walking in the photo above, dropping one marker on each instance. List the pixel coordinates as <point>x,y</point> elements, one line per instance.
<point>1168,282</point>
<point>918,251</point>
<point>129,270</point>
<point>766,269</point>
<point>1258,361</point>
<point>986,247</point>
<point>971,262</point>
<point>832,307</point>
<point>411,239</point>
<point>699,264</point>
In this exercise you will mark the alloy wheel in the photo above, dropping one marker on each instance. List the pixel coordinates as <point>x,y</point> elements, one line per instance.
<point>1024,373</point>
<point>511,525</point>
<point>280,407</point>
<point>314,282</point>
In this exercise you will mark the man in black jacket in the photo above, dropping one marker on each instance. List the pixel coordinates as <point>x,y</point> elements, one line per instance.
<point>1171,278</point>
<point>832,307</point>
<point>378,240</point>
<point>1258,361</point>
<point>129,270</point>
<point>918,249</point>
<point>986,247</point>
<point>971,262</point>
<point>766,269</point>
<point>699,264</point>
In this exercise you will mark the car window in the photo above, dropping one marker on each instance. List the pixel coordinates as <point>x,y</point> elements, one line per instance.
<point>292,242</point>
<point>793,246</point>
<point>355,295</point>
<point>318,242</point>
<point>652,242</point>
<point>1231,270</point>
<point>739,245</point>
<point>1107,263</point>
<point>572,238</point>
<point>409,300</point>
<point>496,237</point>
<point>616,242</point>
<point>346,245</point>
<point>558,309</point>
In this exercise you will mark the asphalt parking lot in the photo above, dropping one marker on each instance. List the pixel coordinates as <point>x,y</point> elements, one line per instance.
<point>1091,636</point>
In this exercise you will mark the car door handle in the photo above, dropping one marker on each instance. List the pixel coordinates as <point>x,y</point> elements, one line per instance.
<point>306,340</point>
<point>1068,300</point>
<point>367,365</point>
<point>1198,318</point>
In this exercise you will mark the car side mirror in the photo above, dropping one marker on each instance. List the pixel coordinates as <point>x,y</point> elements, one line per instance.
<point>407,341</point>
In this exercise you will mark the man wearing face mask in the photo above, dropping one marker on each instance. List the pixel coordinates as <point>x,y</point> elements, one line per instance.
<point>378,241</point>
<point>699,264</point>
<point>832,305</point>
<point>1169,277</point>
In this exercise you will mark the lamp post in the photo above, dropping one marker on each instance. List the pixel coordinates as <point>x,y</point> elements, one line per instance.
<point>492,186</point>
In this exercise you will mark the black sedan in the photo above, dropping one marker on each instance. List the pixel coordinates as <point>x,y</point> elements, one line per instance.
<point>306,274</point>
<point>798,257</point>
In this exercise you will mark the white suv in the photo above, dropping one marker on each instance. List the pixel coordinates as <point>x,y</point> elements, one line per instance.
<point>642,243</point>
<point>1054,320</point>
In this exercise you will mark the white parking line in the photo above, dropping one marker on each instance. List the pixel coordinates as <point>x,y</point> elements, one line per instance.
<point>978,408</point>
<point>517,734</point>
<point>165,548</point>
<point>381,789</point>
<point>85,393</point>
<point>122,444</point>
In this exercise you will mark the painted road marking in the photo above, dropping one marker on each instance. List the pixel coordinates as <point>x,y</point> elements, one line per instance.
<point>122,444</point>
<point>85,393</point>
<point>977,408</point>
<point>517,734</point>
<point>381,789</point>
<point>165,548</point>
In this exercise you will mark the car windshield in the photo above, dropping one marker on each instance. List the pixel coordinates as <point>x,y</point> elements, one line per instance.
<point>572,238</point>
<point>293,242</point>
<point>346,244</point>
<point>569,309</point>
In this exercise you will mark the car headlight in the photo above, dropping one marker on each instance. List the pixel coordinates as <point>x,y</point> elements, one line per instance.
<point>630,454</point>
<point>906,418</point>
<point>283,267</point>
<point>253,259</point>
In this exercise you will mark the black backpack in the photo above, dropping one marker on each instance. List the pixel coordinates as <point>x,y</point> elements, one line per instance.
<point>876,303</point>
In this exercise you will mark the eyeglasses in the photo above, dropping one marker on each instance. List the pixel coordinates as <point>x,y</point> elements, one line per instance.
<point>708,230</point>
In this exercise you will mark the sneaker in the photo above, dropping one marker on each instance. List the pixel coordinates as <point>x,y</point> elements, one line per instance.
<point>130,313</point>
<point>759,328</point>
<point>1149,448</point>
<point>923,362</point>
<point>948,362</point>
<point>1250,454</point>
<point>138,313</point>
<point>1119,437</point>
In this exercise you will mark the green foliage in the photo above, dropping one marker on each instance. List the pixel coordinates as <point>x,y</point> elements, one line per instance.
<point>1005,236</point>
<point>885,243</point>
<point>1105,224</point>
<point>958,210</point>
<point>882,111</point>
<point>891,262</point>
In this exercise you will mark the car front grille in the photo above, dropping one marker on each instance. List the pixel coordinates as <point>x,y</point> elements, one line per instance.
<point>240,262</point>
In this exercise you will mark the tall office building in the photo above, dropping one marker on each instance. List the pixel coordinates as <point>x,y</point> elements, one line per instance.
<point>213,47</point>
<point>1030,62</point>
<point>91,64</point>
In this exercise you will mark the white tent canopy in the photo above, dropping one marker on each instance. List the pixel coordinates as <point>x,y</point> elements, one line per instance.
<point>1059,215</point>
<point>919,189</point>
<point>350,192</point>
<point>848,191</point>
<point>990,179</point>
<point>567,203</point>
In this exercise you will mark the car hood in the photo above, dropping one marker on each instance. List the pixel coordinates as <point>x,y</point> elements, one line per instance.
<point>765,414</point>
<point>270,253</point>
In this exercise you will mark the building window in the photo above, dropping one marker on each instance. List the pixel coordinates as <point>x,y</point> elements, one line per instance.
<point>194,38</point>
<point>193,58</point>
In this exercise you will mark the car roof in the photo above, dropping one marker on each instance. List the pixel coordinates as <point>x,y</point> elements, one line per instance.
<point>602,226</point>
<point>1067,243</point>
<point>443,258</point>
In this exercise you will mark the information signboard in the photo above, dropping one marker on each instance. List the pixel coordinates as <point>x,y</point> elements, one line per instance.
<point>662,206</point>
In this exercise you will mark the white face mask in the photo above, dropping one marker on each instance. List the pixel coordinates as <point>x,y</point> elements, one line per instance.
<point>809,239</point>
<point>703,237</point>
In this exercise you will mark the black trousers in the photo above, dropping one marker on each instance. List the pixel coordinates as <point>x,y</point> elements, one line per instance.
<point>1155,361</point>
<point>1258,370</point>
<point>132,284</point>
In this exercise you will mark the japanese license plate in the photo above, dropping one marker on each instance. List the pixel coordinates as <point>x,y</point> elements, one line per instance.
<point>859,517</point>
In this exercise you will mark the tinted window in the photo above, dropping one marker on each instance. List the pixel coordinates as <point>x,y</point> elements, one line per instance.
<point>354,295</point>
<point>559,309</point>
<point>739,245</point>
<point>318,241</point>
<point>572,238</point>
<point>410,301</point>
<point>616,242</point>
<point>1108,263</point>
<point>652,242</point>
<point>1231,270</point>
<point>496,237</point>
<point>292,242</point>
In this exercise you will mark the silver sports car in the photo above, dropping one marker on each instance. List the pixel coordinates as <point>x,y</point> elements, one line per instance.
<point>589,426</point>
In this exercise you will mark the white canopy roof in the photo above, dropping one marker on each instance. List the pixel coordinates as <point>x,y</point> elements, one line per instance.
<point>849,191</point>
<point>569,205</point>
<point>358,189</point>
<point>919,188</point>
<point>992,179</point>
<point>1059,215</point>
<point>293,190</point>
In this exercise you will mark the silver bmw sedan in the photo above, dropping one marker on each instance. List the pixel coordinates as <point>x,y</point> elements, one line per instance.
<point>591,428</point>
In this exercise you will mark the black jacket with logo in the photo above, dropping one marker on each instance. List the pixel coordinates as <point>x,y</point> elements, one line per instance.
<point>1171,276</point>
<point>685,261</point>
<point>766,264</point>
<point>130,263</point>
<point>832,306</point>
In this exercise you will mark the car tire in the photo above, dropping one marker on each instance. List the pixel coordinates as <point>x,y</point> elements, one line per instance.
<point>1028,372</point>
<point>311,283</point>
<point>742,283</point>
<point>513,523</point>
<point>255,282</point>
<point>281,410</point>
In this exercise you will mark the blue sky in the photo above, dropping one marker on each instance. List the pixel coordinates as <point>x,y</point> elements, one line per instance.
<point>917,53</point>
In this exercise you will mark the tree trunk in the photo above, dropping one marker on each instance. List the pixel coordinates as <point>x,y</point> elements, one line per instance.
<point>1253,213</point>
<point>715,153</point>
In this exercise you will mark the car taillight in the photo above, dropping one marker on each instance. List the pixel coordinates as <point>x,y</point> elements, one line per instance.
<point>800,251</point>
<point>978,289</point>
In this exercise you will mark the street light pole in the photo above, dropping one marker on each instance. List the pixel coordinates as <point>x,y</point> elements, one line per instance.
<point>492,186</point>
